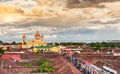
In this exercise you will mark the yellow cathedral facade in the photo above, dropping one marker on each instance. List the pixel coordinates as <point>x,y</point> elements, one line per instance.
<point>38,41</point>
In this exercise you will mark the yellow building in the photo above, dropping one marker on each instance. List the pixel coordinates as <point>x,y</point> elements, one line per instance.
<point>55,49</point>
<point>38,41</point>
<point>38,44</point>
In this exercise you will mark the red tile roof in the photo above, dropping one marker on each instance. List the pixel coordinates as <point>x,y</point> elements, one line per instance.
<point>16,57</point>
<point>3,71</point>
<point>87,62</point>
<point>8,56</point>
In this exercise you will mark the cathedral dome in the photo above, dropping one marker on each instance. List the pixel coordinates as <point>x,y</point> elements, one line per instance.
<point>24,36</point>
<point>37,35</point>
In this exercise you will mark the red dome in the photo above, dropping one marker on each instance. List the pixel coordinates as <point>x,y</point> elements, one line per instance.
<point>37,34</point>
<point>24,36</point>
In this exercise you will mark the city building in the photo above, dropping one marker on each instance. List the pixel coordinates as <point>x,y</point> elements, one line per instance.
<point>38,41</point>
<point>116,52</point>
<point>38,44</point>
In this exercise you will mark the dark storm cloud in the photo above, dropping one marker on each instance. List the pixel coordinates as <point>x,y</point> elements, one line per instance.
<point>77,31</point>
<point>48,22</point>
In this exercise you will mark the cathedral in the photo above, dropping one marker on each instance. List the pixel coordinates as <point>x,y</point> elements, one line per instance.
<point>38,41</point>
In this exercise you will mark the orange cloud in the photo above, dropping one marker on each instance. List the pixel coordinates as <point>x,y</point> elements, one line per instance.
<point>10,10</point>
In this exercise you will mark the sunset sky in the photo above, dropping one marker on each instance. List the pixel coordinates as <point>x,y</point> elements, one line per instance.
<point>57,22</point>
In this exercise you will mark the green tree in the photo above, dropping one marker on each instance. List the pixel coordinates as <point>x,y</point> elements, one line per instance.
<point>1,42</point>
<point>57,44</point>
<point>13,42</point>
<point>1,51</point>
<point>28,65</point>
<point>41,61</point>
<point>45,66</point>
<point>96,48</point>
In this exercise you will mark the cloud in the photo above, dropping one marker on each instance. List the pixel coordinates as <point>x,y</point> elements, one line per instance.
<point>57,23</point>
<point>7,9</point>
<point>20,3</point>
<point>50,36</point>
<point>105,21</point>
<point>47,10</point>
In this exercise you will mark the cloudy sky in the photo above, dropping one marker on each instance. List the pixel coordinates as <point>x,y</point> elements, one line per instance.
<point>57,22</point>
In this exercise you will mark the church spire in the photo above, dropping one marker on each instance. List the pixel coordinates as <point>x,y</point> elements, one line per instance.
<point>24,39</point>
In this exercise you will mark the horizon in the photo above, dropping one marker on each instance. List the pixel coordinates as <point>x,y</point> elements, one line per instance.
<point>67,41</point>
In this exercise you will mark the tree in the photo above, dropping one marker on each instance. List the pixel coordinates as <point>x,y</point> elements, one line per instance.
<point>96,48</point>
<point>28,65</point>
<point>41,61</point>
<point>1,42</point>
<point>1,51</point>
<point>56,44</point>
<point>44,66</point>
<point>13,42</point>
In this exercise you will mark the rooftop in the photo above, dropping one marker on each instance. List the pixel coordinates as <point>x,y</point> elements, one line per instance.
<point>61,65</point>
<point>101,60</point>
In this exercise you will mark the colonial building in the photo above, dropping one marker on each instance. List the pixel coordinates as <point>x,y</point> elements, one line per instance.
<point>38,41</point>
<point>38,44</point>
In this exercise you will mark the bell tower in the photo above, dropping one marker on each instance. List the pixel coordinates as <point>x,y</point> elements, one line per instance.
<point>24,40</point>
